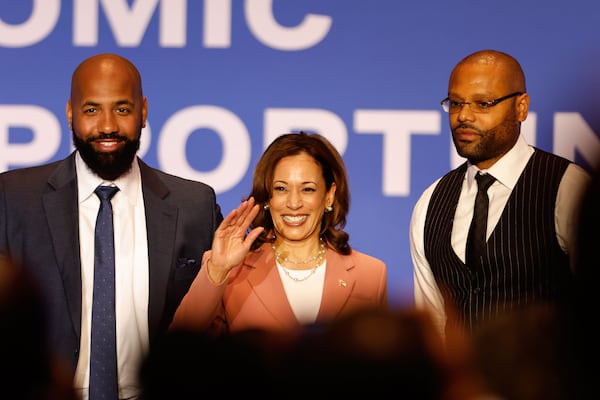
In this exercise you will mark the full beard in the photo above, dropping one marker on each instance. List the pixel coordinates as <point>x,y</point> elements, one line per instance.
<point>108,166</point>
<point>493,142</point>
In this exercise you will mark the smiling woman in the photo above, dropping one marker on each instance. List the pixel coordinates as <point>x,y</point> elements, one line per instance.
<point>295,267</point>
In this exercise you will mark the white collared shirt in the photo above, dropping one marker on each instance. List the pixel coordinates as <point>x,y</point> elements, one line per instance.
<point>131,275</point>
<point>507,171</point>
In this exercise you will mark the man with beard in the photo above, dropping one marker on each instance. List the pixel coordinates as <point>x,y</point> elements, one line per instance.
<point>162,224</point>
<point>525,254</point>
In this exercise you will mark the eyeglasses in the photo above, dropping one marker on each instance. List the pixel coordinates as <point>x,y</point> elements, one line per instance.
<point>452,107</point>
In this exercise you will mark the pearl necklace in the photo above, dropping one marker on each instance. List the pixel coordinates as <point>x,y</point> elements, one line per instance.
<point>318,258</point>
<point>311,273</point>
<point>309,260</point>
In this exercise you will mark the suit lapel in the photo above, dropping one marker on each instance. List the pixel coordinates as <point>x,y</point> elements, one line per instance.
<point>338,286</point>
<point>161,219</point>
<point>267,286</point>
<point>61,209</point>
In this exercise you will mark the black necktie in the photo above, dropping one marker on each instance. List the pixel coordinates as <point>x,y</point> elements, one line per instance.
<point>477,232</point>
<point>103,356</point>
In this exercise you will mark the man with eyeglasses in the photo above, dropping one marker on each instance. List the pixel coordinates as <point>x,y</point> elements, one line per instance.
<point>526,250</point>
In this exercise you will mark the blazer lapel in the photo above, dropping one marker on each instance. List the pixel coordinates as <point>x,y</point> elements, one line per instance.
<point>267,286</point>
<point>161,219</point>
<point>61,209</point>
<point>338,286</point>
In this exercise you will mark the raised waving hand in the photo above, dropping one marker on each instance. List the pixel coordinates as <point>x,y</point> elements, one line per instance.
<point>232,240</point>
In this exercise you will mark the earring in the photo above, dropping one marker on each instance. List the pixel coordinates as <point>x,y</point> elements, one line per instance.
<point>266,207</point>
<point>328,209</point>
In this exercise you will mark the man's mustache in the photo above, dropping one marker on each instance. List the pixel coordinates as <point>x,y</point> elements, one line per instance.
<point>107,136</point>
<point>467,126</point>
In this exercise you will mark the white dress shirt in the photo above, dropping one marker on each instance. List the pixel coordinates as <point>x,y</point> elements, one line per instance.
<point>507,171</point>
<point>131,275</point>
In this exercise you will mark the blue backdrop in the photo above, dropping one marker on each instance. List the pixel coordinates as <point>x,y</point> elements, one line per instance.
<point>224,77</point>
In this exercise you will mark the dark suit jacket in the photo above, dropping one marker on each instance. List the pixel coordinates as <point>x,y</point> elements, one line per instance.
<point>39,230</point>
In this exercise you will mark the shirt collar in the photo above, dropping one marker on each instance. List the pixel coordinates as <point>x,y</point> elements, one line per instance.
<point>88,181</point>
<point>508,168</point>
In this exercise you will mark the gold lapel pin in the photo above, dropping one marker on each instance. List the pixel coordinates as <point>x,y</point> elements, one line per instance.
<point>342,283</point>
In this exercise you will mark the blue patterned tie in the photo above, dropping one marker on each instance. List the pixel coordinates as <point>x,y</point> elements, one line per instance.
<point>103,357</point>
<point>477,232</point>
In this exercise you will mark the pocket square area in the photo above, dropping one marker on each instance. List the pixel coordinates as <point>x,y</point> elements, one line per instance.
<point>187,262</point>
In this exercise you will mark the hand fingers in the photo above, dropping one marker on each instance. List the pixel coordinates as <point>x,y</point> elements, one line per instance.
<point>242,216</point>
<point>248,216</point>
<point>246,213</point>
<point>252,235</point>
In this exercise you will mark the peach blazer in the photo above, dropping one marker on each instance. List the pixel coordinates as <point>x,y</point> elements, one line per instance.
<point>253,296</point>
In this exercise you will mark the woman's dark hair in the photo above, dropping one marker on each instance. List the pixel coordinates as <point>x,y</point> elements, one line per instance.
<point>334,171</point>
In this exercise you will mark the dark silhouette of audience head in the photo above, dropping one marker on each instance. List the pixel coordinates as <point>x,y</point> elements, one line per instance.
<point>528,354</point>
<point>31,369</point>
<point>186,364</point>
<point>372,352</point>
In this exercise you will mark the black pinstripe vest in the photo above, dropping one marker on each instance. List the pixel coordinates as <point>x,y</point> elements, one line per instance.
<point>524,262</point>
